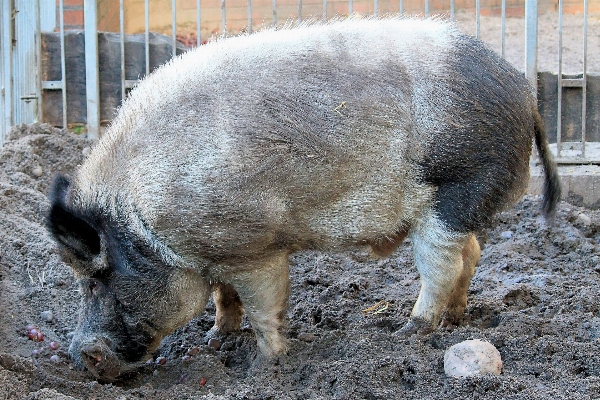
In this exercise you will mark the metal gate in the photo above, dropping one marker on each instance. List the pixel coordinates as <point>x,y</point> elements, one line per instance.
<point>22,21</point>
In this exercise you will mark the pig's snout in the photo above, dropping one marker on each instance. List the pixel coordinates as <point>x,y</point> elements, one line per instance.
<point>100,360</point>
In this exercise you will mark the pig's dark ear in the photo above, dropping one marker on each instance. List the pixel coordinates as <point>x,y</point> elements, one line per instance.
<point>68,228</point>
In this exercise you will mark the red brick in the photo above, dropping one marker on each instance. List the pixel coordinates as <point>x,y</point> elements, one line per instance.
<point>70,3</point>
<point>73,17</point>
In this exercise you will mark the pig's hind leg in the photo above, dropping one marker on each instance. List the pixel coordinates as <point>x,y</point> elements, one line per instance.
<point>264,290</point>
<point>458,298</point>
<point>438,255</point>
<point>229,310</point>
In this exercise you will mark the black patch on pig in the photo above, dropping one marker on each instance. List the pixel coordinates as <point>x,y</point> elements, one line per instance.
<point>137,275</point>
<point>479,160</point>
<point>69,227</point>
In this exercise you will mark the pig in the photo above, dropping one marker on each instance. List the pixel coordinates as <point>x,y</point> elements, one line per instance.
<point>229,158</point>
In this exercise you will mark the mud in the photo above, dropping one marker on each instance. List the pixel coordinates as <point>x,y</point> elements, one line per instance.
<point>535,296</point>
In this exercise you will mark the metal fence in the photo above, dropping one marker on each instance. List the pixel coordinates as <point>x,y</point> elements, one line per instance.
<point>22,21</point>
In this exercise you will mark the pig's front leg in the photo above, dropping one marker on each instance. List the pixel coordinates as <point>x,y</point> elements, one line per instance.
<point>439,260</point>
<point>264,290</point>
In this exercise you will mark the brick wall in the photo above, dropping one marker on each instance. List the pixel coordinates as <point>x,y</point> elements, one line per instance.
<point>237,11</point>
<point>73,14</point>
<point>262,12</point>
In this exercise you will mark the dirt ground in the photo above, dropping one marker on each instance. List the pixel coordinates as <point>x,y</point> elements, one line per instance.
<point>535,296</point>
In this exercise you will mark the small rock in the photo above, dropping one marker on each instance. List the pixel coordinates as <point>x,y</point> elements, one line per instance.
<point>37,171</point>
<point>86,151</point>
<point>214,343</point>
<point>307,337</point>
<point>55,359</point>
<point>472,357</point>
<point>506,235</point>
<point>227,346</point>
<point>584,219</point>
<point>161,361</point>
<point>47,316</point>
<point>70,335</point>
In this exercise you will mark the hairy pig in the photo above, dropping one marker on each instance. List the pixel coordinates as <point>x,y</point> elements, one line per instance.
<point>229,158</point>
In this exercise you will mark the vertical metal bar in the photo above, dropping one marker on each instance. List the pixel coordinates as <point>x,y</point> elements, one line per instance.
<point>174,27</point>
<point>376,7</point>
<point>426,8</point>
<point>478,18</point>
<point>324,10</point>
<point>3,21</point>
<point>48,16</point>
<point>38,63</point>
<point>122,44</point>
<point>92,85</point>
<point>401,6</point>
<point>560,84</point>
<point>249,16</point>
<point>147,35</point>
<point>223,17</point>
<point>531,30</point>
<point>452,10</point>
<point>7,40</point>
<point>503,29</point>
<point>350,7</point>
<point>584,83</point>
<point>275,13</point>
<point>24,61</point>
<point>63,63</point>
<point>198,22</point>
<point>299,11</point>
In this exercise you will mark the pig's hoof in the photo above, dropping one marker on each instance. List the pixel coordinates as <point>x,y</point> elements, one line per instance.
<point>415,325</point>
<point>452,319</point>
<point>216,334</point>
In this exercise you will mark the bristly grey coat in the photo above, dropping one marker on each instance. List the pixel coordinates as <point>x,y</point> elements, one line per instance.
<point>227,159</point>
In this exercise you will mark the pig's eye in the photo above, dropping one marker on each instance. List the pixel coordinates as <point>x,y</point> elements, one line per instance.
<point>93,286</point>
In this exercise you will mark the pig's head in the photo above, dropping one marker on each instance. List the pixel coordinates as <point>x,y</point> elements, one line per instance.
<point>133,293</point>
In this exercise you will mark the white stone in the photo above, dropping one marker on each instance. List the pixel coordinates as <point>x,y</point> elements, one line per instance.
<point>584,219</point>
<point>472,357</point>
<point>37,171</point>
<point>506,234</point>
<point>47,316</point>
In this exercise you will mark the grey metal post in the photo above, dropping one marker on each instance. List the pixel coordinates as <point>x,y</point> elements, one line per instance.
<point>38,64</point>
<point>503,33</point>
<point>63,64</point>
<point>584,80</point>
<point>174,27</point>
<point>249,16</point>
<point>92,85</point>
<point>223,17</point>
<point>531,30</point>
<point>198,22</point>
<point>122,46</point>
<point>6,45</point>
<point>477,18</point>
<point>147,35</point>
